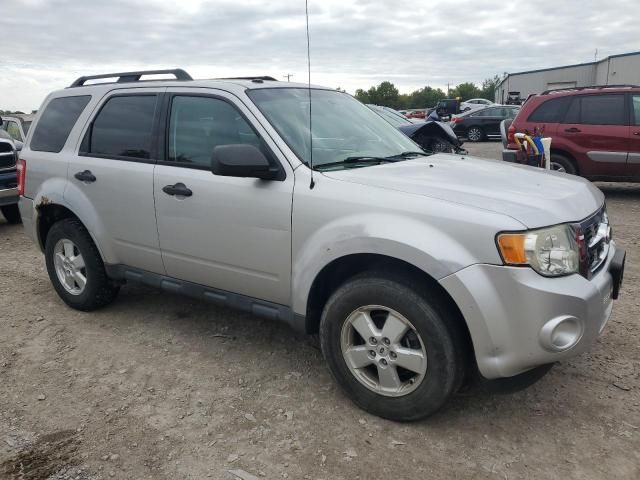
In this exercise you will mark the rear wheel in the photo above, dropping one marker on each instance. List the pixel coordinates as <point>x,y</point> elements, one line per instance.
<point>560,163</point>
<point>475,134</point>
<point>391,349</point>
<point>75,267</point>
<point>11,213</point>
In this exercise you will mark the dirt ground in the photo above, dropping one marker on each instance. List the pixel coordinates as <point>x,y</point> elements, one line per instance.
<point>163,387</point>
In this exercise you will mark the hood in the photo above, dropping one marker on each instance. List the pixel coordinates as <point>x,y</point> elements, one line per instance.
<point>431,128</point>
<point>533,196</point>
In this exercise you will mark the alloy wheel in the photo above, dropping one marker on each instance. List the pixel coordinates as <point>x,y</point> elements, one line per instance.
<point>383,351</point>
<point>70,266</point>
<point>557,167</point>
<point>474,134</point>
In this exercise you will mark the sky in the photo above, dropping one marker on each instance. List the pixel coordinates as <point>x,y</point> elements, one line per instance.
<point>354,44</point>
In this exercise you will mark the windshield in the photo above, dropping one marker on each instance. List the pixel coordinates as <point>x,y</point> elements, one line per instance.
<point>342,126</point>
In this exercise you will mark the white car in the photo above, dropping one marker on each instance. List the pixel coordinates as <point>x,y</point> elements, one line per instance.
<point>474,103</point>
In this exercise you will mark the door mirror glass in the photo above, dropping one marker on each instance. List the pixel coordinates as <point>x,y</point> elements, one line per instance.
<point>241,160</point>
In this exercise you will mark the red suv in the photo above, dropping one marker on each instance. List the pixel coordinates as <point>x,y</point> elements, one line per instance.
<point>595,131</point>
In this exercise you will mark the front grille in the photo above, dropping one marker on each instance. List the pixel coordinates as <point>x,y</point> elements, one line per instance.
<point>7,156</point>
<point>597,236</point>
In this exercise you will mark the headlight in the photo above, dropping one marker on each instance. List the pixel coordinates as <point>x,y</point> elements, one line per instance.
<point>549,251</point>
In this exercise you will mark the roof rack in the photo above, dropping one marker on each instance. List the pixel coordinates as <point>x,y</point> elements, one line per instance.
<point>253,79</point>
<point>125,77</point>
<point>588,87</point>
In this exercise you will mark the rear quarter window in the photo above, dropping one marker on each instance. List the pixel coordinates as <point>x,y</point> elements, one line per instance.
<point>56,123</point>
<point>550,111</point>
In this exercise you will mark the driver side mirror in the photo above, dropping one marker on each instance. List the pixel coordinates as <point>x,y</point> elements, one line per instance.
<point>242,160</point>
<point>19,145</point>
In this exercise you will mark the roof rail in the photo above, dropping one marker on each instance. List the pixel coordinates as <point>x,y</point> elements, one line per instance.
<point>253,79</point>
<point>587,88</point>
<point>125,77</point>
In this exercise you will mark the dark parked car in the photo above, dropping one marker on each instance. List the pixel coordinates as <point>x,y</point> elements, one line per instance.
<point>433,137</point>
<point>595,131</point>
<point>480,124</point>
<point>8,180</point>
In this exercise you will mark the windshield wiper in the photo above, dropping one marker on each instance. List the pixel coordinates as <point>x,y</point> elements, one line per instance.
<point>357,160</point>
<point>409,154</point>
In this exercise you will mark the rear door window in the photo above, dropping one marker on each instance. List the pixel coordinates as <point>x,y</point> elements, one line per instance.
<point>56,122</point>
<point>602,110</point>
<point>122,128</point>
<point>13,129</point>
<point>551,111</point>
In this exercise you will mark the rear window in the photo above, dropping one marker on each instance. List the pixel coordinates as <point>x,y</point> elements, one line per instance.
<point>597,110</point>
<point>123,128</point>
<point>56,123</point>
<point>551,111</point>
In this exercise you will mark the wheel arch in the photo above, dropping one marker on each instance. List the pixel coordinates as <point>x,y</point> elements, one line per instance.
<point>341,269</point>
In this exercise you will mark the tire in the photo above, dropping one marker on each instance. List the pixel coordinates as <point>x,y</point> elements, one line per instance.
<point>98,289</point>
<point>475,134</point>
<point>560,163</point>
<point>12,214</point>
<point>437,145</point>
<point>441,344</point>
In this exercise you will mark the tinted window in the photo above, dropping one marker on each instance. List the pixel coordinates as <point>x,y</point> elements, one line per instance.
<point>636,109</point>
<point>123,128</point>
<point>551,111</point>
<point>602,110</point>
<point>56,122</point>
<point>486,112</point>
<point>199,124</point>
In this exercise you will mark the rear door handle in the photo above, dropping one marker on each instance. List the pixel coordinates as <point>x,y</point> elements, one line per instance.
<point>86,176</point>
<point>636,133</point>
<point>572,130</point>
<point>177,190</point>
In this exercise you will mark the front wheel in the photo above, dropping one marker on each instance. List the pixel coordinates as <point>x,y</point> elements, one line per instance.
<point>437,145</point>
<point>391,349</point>
<point>11,213</point>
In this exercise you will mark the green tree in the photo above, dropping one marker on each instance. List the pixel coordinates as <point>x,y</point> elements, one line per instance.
<point>385,94</point>
<point>489,88</point>
<point>363,96</point>
<point>425,97</point>
<point>465,91</point>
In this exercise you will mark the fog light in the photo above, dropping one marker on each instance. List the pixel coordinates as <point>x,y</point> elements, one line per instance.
<point>561,333</point>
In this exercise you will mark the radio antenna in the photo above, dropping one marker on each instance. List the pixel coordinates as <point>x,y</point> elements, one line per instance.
<point>306,11</point>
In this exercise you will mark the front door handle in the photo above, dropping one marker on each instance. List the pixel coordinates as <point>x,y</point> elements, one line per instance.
<point>86,176</point>
<point>572,130</point>
<point>177,190</point>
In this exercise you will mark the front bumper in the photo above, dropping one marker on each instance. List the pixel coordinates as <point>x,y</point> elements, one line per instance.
<point>512,312</point>
<point>8,188</point>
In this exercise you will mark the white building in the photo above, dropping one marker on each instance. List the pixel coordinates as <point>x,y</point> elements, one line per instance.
<point>614,70</point>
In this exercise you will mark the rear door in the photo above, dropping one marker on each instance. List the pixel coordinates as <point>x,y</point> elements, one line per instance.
<point>112,177</point>
<point>596,132</point>
<point>633,161</point>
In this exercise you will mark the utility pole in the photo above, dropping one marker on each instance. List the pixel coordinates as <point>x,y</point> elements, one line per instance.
<point>288,76</point>
<point>595,56</point>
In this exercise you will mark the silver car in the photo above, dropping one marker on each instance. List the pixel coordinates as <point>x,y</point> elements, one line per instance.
<point>415,270</point>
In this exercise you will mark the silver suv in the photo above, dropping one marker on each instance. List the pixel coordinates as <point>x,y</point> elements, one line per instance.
<point>302,205</point>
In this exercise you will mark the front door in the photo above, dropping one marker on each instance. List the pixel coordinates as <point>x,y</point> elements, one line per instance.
<point>230,233</point>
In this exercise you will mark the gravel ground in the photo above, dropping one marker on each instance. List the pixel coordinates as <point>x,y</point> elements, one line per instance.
<point>162,387</point>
